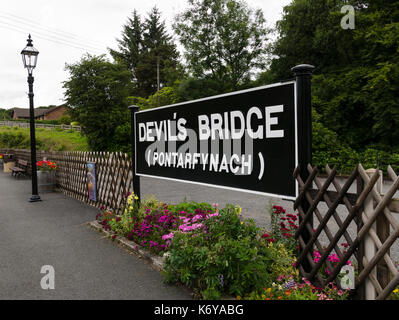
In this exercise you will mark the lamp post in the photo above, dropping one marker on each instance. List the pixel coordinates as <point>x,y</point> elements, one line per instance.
<point>29,58</point>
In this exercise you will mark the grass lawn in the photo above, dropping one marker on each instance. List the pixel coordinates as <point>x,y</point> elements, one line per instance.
<point>46,140</point>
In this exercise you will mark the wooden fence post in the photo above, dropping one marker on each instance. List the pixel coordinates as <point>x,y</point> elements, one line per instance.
<point>360,251</point>
<point>383,232</point>
<point>369,245</point>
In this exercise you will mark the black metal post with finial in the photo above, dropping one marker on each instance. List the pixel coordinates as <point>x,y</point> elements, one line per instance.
<point>29,57</point>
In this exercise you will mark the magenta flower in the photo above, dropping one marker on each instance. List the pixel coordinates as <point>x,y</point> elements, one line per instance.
<point>167,236</point>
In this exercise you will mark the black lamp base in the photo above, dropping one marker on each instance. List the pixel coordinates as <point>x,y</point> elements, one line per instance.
<point>35,198</point>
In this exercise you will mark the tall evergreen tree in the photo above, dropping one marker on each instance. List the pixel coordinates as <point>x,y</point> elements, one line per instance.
<point>130,46</point>
<point>149,52</point>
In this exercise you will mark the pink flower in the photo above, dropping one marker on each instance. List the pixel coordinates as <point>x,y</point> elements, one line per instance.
<point>167,236</point>
<point>196,218</point>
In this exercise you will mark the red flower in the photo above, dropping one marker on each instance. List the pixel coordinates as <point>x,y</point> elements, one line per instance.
<point>278,209</point>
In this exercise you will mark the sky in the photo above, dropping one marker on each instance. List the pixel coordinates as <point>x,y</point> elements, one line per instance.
<point>63,31</point>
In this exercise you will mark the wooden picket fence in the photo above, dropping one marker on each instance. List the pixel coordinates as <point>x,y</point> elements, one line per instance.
<point>368,209</point>
<point>113,175</point>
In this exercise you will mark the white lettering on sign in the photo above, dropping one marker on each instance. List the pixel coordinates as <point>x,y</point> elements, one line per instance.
<point>236,164</point>
<point>229,125</point>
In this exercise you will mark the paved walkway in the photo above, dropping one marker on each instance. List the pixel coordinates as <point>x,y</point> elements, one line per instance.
<point>53,232</point>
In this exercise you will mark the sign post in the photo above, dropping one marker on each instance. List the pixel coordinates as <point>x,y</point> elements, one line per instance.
<point>136,178</point>
<point>303,74</point>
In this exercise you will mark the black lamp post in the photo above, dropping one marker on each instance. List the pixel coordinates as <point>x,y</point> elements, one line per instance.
<point>29,58</point>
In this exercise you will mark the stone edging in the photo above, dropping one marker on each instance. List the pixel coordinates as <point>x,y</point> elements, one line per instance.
<point>154,260</point>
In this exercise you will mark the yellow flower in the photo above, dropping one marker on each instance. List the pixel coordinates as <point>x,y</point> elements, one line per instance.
<point>238,210</point>
<point>268,290</point>
<point>396,290</point>
<point>131,208</point>
<point>136,198</point>
<point>238,298</point>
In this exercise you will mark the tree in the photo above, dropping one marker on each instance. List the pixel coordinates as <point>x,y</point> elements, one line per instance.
<point>225,41</point>
<point>356,83</point>
<point>130,46</point>
<point>5,114</point>
<point>148,51</point>
<point>96,93</point>
<point>191,89</point>
<point>163,97</point>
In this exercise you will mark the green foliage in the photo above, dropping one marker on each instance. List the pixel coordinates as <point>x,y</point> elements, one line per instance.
<point>329,149</point>
<point>355,87</point>
<point>5,114</point>
<point>227,258</point>
<point>46,140</point>
<point>191,88</point>
<point>224,40</point>
<point>96,93</point>
<point>163,97</point>
<point>190,207</point>
<point>310,32</point>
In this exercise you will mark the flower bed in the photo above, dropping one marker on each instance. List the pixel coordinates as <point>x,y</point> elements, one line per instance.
<point>217,252</point>
<point>44,165</point>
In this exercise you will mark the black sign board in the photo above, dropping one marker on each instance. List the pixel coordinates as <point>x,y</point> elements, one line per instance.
<point>245,140</point>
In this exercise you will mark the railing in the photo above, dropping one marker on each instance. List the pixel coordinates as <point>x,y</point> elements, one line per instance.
<point>39,125</point>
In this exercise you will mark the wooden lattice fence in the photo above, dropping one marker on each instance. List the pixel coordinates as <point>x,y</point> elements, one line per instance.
<point>113,171</point>
<point>368,211</point>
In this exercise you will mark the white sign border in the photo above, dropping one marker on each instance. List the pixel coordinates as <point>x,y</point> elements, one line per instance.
<point>283,197</point>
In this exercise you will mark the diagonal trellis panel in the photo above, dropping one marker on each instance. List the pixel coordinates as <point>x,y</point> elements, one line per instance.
<point>315,190</point>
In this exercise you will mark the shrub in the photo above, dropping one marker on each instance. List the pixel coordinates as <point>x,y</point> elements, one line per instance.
<point>226,255</point>
<point>217,252</point>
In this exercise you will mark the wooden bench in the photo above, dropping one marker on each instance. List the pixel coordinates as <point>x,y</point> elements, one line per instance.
<point>20,169</point>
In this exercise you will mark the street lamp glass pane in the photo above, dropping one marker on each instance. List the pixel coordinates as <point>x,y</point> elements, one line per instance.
<point>29,56</point>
